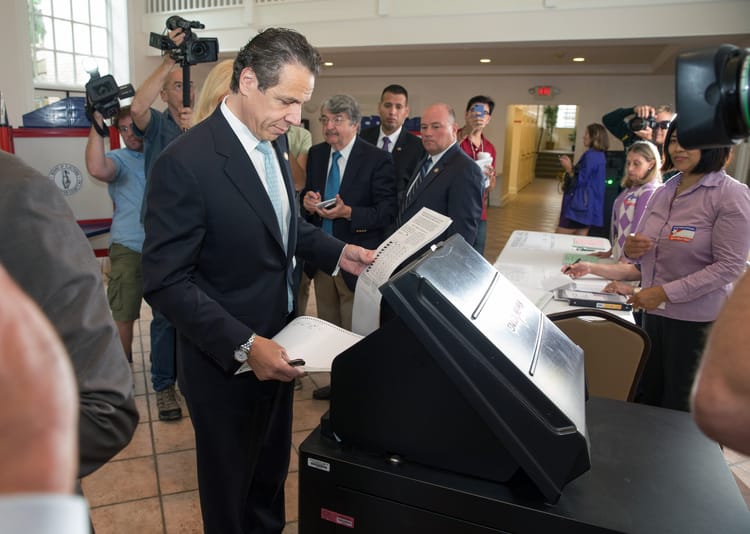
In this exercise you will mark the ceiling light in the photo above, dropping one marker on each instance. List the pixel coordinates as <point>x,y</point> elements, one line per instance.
<point>579,59</point>
<point>485,60</point>
<point>328,64</point>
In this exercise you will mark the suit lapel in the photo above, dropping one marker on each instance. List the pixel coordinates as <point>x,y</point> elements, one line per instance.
<point>349,180</point>
<point>437,170</point>
<point>240,171</point>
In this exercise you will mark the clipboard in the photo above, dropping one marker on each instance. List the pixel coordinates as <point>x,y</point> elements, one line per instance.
<point>590,299</point>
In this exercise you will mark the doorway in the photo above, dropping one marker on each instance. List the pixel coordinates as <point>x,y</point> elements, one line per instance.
<point>533,145</point>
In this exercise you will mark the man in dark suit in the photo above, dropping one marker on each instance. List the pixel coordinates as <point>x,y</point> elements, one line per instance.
<point>448,181</point>
<point>406,148</point>
<point>222,229</point>
<point>365,198</point>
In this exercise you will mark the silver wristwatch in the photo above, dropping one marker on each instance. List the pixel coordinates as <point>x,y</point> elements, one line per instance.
<point>241,352</point>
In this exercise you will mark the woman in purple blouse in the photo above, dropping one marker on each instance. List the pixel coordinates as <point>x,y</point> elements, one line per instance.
<point>691,245</point>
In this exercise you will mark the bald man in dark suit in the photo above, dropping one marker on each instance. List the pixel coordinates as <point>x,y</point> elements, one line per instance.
<point>448,181</point>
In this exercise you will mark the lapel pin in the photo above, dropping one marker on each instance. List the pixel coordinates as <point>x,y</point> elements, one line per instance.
<point>286,156</point>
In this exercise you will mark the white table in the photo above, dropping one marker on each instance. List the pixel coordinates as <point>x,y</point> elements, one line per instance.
<point>532,262</point>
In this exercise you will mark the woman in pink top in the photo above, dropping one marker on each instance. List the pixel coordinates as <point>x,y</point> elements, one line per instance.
<point>691,244</point>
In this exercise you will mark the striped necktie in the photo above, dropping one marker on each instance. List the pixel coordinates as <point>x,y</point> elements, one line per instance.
<point>275,188</point>
<point>333,182</point>
<point>413,188</point>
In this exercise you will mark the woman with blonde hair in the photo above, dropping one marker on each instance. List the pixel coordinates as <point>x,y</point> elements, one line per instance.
<point>215,88</point>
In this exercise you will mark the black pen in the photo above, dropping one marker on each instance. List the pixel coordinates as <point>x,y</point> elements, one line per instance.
<point>571,265</point>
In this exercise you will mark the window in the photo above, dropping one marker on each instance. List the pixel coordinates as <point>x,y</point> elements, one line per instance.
<point>63,34</point>
<point>566,116</point>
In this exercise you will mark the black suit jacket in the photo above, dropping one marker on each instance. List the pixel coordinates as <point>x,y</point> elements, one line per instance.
<point>453,187</point>
<point>213,259</point>
<point>368,186</point>
<point>407,152</point>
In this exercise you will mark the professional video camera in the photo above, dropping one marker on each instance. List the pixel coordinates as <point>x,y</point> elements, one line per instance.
<point>193,49</point>
<point>712,87</point>
<point>104,95</point>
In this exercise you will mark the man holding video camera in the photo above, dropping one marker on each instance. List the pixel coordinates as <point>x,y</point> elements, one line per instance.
<point>159,129</point>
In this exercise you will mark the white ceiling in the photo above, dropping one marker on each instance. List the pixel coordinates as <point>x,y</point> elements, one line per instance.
<point>636,56</point>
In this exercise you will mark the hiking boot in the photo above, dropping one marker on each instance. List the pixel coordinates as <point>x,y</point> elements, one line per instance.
<point>166,402</point>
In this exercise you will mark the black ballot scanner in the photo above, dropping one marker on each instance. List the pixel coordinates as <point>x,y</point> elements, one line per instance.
<point>466,413</point>
<point>469,377</point>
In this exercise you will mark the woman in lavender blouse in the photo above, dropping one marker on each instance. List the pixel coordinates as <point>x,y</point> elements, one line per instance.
<point>691,245</point>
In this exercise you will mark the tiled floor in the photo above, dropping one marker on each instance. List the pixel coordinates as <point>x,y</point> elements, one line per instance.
<point>151,487</point>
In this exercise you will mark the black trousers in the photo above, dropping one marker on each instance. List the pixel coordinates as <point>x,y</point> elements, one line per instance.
<point>242,451</point>
<point>676,348</point>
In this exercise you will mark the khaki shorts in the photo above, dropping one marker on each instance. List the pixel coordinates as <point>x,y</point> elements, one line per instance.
<point>125,286</point>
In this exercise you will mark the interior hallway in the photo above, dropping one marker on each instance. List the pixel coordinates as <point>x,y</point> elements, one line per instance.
<point>151,486</point>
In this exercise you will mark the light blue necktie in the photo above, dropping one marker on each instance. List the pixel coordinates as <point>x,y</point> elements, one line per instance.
<point>275,188</point>
<point>332,188</point>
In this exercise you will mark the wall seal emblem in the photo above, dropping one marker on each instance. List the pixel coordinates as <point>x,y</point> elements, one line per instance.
<point>67,178</point>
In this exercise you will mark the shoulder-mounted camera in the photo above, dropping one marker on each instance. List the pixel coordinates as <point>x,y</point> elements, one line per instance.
<point>104,95</point>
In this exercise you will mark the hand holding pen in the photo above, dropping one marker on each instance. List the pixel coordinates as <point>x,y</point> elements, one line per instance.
<point>576,269</point>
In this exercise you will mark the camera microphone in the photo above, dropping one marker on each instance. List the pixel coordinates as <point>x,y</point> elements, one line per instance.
<point>176,21</point>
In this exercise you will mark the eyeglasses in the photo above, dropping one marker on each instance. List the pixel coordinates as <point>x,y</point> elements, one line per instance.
<point>337,121</point>
<point>125,129</point>
<point>663,125</point>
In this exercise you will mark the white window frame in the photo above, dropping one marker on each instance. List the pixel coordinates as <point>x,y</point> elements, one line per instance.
<point>116,61</point>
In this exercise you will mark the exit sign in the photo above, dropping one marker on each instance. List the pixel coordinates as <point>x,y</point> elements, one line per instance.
<point>544,91</point>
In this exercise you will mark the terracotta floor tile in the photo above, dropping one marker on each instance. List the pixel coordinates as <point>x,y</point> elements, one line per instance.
<point>291,495</point>
<point>125,480</point>
<point>142,404</point>
<point>141,444</point>
<point>182,513</point>
<point>734,457</point>
<point>141,517</point>
<point>139,383</point>
<point>293,461</point>
<point>298,438</point>
<point>170,436</point>
<point>291,528</point>
<point>177,472</point>
<point>307,414</point>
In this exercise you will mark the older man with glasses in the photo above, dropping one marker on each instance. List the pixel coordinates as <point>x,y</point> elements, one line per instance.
<point>359,181</point>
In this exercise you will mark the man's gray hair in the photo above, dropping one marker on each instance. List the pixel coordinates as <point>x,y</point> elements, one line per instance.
<point>343,104</point>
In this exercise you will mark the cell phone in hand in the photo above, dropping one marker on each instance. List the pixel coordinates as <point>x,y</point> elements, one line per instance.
<point>326,204</point>
<point>479,110</point>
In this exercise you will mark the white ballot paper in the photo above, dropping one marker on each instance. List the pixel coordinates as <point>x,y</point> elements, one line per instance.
<point>314,340</point>
<point>416,233</point>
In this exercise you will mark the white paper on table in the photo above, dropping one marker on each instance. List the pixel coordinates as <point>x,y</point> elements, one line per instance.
<point>414,235</point>
<point>314,340</point>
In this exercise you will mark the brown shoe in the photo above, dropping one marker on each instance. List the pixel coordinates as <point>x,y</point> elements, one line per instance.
<point>166,402</point>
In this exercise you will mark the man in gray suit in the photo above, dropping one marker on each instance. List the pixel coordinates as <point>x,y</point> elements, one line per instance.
<point>44,250</point>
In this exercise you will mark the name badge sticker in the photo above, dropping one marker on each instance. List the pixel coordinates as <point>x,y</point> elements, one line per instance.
<point>682,233</point>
